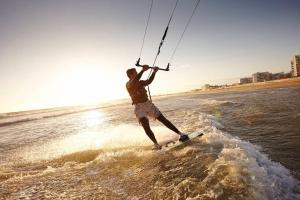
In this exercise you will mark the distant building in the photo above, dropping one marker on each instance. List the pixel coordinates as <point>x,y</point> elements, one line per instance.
<point>295,65</point>
<point>280,75</point>
<point>261,77</point>
<point>277,76</point>
<point>288,75</point>
<point>246,80</point>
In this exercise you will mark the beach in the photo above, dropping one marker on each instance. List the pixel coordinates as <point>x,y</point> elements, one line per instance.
<point>282,83</point>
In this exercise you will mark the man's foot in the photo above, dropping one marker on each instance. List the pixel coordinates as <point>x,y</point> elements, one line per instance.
<point>156,147</point>
<point>183,137</point>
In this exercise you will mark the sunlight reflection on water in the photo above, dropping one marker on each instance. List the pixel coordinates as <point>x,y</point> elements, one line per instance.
<point>76,141</point>
<point>93,118</point>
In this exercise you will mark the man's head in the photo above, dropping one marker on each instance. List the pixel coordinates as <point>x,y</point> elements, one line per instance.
<point>131,73</point>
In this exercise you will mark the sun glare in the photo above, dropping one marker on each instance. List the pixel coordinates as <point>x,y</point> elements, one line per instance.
<point>89,85</point>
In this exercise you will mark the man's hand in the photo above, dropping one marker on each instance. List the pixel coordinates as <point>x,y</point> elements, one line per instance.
<point>155,69</point>
<point>145,67</point>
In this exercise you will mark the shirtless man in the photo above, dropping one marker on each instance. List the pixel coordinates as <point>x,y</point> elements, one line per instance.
<point>145,108</point>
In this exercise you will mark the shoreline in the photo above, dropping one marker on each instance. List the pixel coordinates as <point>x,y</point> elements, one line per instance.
<point>282,83</point>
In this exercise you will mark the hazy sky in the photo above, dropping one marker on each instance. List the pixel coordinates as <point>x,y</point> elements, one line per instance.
<point>64,52</point>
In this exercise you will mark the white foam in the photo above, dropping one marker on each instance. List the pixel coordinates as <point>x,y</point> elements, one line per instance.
<point>265,179</point>
<point>120,136</point>
<point>214,102</point>
<point>268,179</point>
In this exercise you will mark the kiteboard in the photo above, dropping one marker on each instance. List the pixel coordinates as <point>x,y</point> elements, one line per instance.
<point>171,144</point>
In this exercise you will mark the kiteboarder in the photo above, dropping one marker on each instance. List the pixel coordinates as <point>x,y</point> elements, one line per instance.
<point>144,108</point>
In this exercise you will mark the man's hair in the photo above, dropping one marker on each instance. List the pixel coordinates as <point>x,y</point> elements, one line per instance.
<point>130,71</point>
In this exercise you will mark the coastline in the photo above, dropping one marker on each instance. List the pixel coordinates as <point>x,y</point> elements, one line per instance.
<point>282,83</point>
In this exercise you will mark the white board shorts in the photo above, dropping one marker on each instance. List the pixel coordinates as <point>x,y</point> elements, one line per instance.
<point>146,109</point>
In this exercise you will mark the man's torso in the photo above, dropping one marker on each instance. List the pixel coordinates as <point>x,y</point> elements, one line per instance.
<point>137,92</point>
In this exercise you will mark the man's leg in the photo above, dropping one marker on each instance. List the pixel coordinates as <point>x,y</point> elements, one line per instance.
<point>167,123</point>
<point>145,123</point>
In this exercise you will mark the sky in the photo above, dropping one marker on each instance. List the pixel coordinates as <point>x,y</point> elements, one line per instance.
<point>71,52</point>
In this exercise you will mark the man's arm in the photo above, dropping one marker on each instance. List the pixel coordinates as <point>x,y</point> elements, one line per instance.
<point>151,78</point>
<point>139,75</point>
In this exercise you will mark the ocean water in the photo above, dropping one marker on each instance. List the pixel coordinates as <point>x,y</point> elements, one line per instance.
<point>250,150</point>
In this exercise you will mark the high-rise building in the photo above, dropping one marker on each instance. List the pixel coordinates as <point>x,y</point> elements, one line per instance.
<point>295,65</point>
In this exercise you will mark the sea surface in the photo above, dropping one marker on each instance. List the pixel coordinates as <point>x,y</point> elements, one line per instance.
<point>249,150</point>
